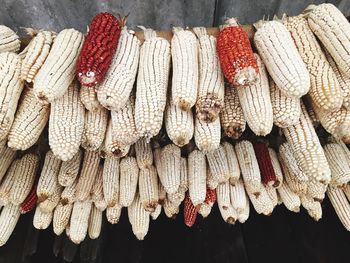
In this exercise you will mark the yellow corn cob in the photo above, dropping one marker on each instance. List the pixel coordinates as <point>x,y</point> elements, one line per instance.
<point>41,219</point>
<point>178,124</point>
<point>316,190</point>
<point>89,98</point>
<point>211,88</point>
<point>184,54</point>
<point>148,188</point>
<point>170,209</point>
<point>281,57</point>
<point>249,167</point>
<point>256,102</point>
<point>244,215</point>
<point>218,165</point>
<point>232,118</point>
<point>262,203</point>
<point>95,126</point>
<point>156,212</point>
<point>313,207</point>
<point>223,196</point>
<point>333,30</point>
<point>10,90</point>
<point>113,213</point>
<point>8,221</point>
<point>58,71</point>
<point>129,175</point>
<point>211,182</point>
<point>95,223</point>
<point>276,167</point>
<point>112,147</point>
<point>61,217</point>
<point>88,173</point>
<point>48,180</point>
<point>9,41</point>
<point>50,203</point>
<point>340,205</point>
<point>272,193</point>
<point>152,83</point>
<point>69,170</point>
<point>111,181</point>
<point>29,122</point>
<point>7,183</point>
<point>197,170</point>
<point>79,221</point>
<point>325,90</point>
<point>138,218</point>
<point>66,124</point>
<point>97,195</point>
<point>238,196</point>
<point>286,110</point>
<point>37,52</point>
<point>207,135</point>
<point>144,155</point>
<point>68,195</point>
<point>229,215</point>
<point>232,161</point>
<point>290,199</point>
<point>7,155</point>
<point>170,172</point>
<point>307,148</point>
<point>23,180</point>
<point>114,90</point>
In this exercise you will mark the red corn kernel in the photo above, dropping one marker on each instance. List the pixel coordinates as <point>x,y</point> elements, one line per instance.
<point>190,212</point>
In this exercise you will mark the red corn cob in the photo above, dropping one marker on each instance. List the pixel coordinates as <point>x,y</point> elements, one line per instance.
<point>30,202</point>
<point>210,197</point>
<point>268,175</point>
<point>190,212</point>
<point>98,48</point>
<point>237,60</point>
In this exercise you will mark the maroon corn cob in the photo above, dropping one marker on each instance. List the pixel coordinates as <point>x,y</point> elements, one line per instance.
<point>30,202</point>
<point>190,212</point>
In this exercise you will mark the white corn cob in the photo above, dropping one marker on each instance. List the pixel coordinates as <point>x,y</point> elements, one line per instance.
<point>7,155</point>
<point>144,155</point>
<point>88,173</point>
<point>37,51</point>
<point>89,98</point>
<point>272,193</point>
<point>114,90</point>
<point>95,223</point>
<point>170,209</point>
<point>281,57</point>
<point>244,215</point>
<point>41,219</point>
<point>148,188</point>
<point>184,54</point>
<point>177,198</point>
<point>183,175</point>
<point>325,90</point>
<point>170,172</point>
<point>262,203</point>
<point>68,195</point>
<point>157,153</point>
<point>229,215</point>
<point>11,87</point>
<point>232,161</point>
<point>139,218</point>
<point>156,212</point>
<point>256,102</point>
<point>286,110</point>
<point>223,196</point>
<point>29,122</point>
<point>58,70</point>
<point>113,213</point>
<point>24,52</point>
<point>345,150</point>
<point>97,195</point>
<point>276,167</point>
<point>129,175</point>
<point>290,199</point>
<point>152,83</point>
<point>205,210</point>
<point>50,203</point>
<point>79,221</point>
<point>69,170</point>
<point>8,221</point>
<point>197,170</point>
<point>347,191</point>
<point>9,41</point>
<point>316,190</point>
<point>333,30</point>
<point>66,124</point>
<point>61,217</point>
<point>340,205</point>
<point>249,167</point>
<point>111,145</point>
<point>218,165</point>
<point>179,124</point>
<point>212,183</point>
<point>207,135</point>
<point>313,207</point>
<point>7,183</point>
<point>111,181</point>
<point>232,118</point>
<point>211,88</point>
<point>238,196</point>
<point>48,180</point>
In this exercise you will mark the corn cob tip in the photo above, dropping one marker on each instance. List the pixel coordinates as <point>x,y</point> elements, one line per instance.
<point>209,107</point>
<point>230,220</point>
<point>309,9</point>
<point>232,21</point>
<point>259,24</point>
<point>234,131</point>
<point>246,76</point>
<point>42,97</point>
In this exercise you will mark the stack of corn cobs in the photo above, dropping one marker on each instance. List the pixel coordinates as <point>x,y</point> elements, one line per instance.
<point>105,99</point>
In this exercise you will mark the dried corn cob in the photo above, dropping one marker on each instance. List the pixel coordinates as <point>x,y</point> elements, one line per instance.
<point>42,220</point>
<point>30,202</point>
<point>223,196</point>
<point>111,181</point>
<point>290,199</point>
<point>190,212</point>
<point>152,84</point>
<point>57,73</point>
<point>162,195</point>
<point>197,170</point>
<point>157,153</point>
<point>207,135</point>
<point>244,215</point>
<point>79,221</point>
<point>205,210</point>
<point>210,199</point>
<point>310,111</point>
<point>262,203</point>
<point>88,97</point>
<point>129,175</point>
<point>340,205</point>
<point>97,191</point>
<point>113,213</point>
<point>232,161</point>
<point>171,210</point>
<point>313,207</point>
<point>156,213</point>
<point>211,182</point>
<point>170,172</point>
<point>148,188</point>
<point>111,145</point>
<point>281,57</point>
<point>183,175</point>
<point>218,165</point>
<point>272,193</point>
<point>139,218</point>
<point>268,175</point>
<point>316,190</point>
<point>345,150</point>
<point>346,191</point>
<point>69,170</point>
<point>238,196</point>
<point>29,122</point>
<point>8,221</point>
<point>95,223</point>
<point>50,203</point>
<point>61,217</point>
<point>144,155</point>
<point>177,197</point>
<point>229,215</point>
<point>276,167</point>
<point>7,183</point>
<point>68,195</point>
<point>9,41</point>
<point>7,155</point>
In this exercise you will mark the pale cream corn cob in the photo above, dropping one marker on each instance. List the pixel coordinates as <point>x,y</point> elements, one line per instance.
<point>95,125</point>
<point>179,124</point>
<point>48,180</point>
<point>289,198</point>
<point>9,40</point>
<point>110,179</point>
<point>280,55</point>
<point>244,215</point>
<point>286,110</point>
<point>171,168</point>
<point>144,154</point>
<point>68,195</point>
<point>11,87</point>
<point>316,190</point>
<point>232,161</point>
<point>152,83</point>
<point>197,172</point>
<point>325,90</point>
<point>232,118</point>
<point>89,98</point>
<point>313,208</point>
<point>42,220</point>
<point>170,209</point>
<point>95,223</point>
<point>218,164</point>
<point>272,193</point>
<point>111,146</point>
<point>24,178</point>
<point>229,215</point>
<point>340,205</point>
<point>88,173</point>
<point>97,195</point>
<point>37,52</point>
<point>183,175</point>
<point>345,150</point>
<point>61,217</point>
<point>114,90</point>
<point>311,112</point>
<point>57,73</point>
<point>8,221</point>
<point>113,213</point>
<point>156,212</point>
<point>184,55</point>
<point>79,221</point>
<point>223,196</point>
<point>262,203</point>
<point>276,167</point>
<point>50,203</point>
<point>307,148</point>
<point>207,135</point>
<point>69,170</point>
<point>7,155</point>
<point>138,218</point>
<point>212,183</point>
<point>177,198</point>
<point>211,88</point>
<point>129,176</point>
<point>238,196</point>
<point>148,188</point>
<point>7,183</point>
<point>333,30</point>
<point>249,166</point>
<point>256,102</point>
<point>29,122</point>
<point>205,210</point>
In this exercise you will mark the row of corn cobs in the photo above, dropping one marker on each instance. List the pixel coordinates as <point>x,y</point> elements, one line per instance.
<point>126,162</point>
